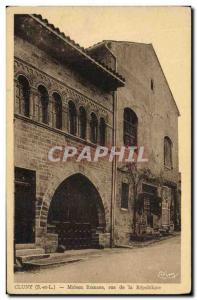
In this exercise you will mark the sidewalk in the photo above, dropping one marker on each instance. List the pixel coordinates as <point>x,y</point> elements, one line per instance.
<point>138,244</point>
<point>71,256</point>
<point>140,265</point>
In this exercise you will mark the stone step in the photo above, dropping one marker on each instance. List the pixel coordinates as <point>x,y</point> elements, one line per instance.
<point>57,259</point>
<point>29,251</point>
<point>26,258</point>
<point>25,246</point>
<point>46,263</point>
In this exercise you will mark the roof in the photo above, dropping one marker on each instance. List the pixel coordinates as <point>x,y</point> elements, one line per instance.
<point>73,53</point>
<point>103,42</point>
<point>80,48</point>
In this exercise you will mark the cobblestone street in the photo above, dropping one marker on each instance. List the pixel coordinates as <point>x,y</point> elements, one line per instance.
<point>157,263</point>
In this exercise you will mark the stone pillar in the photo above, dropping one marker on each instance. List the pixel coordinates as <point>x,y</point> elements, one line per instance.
<point>51,119</point>
<point>98,132</point>
<point>88,129</point>
<point>17,108</point>
<point>35,106</point>
<point>166,199</point>
<point>64,118</point>
<point>32,103</point>
<point>77,123</point>
<point>104,239</point>
<point>108,138</point>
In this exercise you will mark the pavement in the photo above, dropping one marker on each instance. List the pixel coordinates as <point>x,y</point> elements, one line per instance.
<point>155,263</point>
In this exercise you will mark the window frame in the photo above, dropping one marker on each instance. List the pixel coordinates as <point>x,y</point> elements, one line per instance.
<point>93,128</point>
<point>130,127</point>
<point>24,100</point>
<point>124,196</point>
<point>168,143</point>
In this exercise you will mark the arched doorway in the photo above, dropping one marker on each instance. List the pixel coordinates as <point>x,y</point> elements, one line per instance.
<point>76,213</point>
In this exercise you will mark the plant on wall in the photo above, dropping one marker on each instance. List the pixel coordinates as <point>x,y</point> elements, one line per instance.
<point>136,176</point>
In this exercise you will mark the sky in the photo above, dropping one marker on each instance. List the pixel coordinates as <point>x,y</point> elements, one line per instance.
<point>167,28</point>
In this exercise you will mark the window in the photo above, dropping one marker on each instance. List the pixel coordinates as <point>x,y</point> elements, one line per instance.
<point>44,101</point>
<point>82,122</point>
<point>102,129</point>
<point>72,118</point>
<point>130,127</point>
<point>125,195</point>
<point>167,152</point>
<point>57,110</point>
<point>93,128</point>
<point>152,84</point>
<point>24,95</point>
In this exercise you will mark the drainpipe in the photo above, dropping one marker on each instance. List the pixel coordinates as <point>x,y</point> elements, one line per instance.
<point>114,172</point>
<point>114,164</point>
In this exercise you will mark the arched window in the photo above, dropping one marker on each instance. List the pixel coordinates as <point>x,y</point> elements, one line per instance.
<point>72,118</point>
<point>93,128</point>
<point>82,122</point>
<point>24,95</point>
<point>102,131</point>
<point>57,110</point>
<point>130,127</point>
<point>44,101</point>
<point>167,152</point>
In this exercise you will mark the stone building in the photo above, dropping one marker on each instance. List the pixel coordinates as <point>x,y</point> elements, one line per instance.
<point>111,94</point>
<point>146,115</point>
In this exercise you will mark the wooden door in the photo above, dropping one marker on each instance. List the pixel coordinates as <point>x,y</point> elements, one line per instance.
<point>24,231</point>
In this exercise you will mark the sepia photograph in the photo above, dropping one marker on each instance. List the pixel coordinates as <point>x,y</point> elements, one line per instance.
<point>99,141</point>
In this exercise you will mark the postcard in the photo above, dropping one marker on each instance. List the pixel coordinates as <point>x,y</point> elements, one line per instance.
<point>98,150</point>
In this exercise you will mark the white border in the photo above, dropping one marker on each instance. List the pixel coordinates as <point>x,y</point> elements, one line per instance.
<point>3,5</point>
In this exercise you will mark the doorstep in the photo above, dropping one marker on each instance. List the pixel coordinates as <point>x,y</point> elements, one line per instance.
<point>57,259</point>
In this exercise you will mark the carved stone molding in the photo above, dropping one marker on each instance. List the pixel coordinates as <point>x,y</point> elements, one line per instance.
<point>37,78</point>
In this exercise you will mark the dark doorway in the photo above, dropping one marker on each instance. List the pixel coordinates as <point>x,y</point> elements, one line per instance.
<point>152,203</point>
<point>24,217</point>
<point>76,212</point>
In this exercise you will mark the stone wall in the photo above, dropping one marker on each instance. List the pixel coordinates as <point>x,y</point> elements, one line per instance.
<point>156,110</point>
<point>33,139</point>
<point>157,117</point>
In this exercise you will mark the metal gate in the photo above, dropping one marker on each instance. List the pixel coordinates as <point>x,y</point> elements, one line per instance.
<point>76,235</point>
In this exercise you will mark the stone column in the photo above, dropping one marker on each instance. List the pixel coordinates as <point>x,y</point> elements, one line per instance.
<point>35,105</point>
<point>51,119</point>
<point>77,123</point>
<point>32,103</point>
<point>64,117</point>
<point>108,135</point>
<point>17,109</point>
<point>88,129</point>
<point>166,206</point>
<point>98,132</point>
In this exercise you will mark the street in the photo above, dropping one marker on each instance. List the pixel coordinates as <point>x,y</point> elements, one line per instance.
<point>157,263</point>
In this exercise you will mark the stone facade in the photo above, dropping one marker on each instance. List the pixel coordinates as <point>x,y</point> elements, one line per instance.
<point>155,109</point>
<point>147,93</point>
